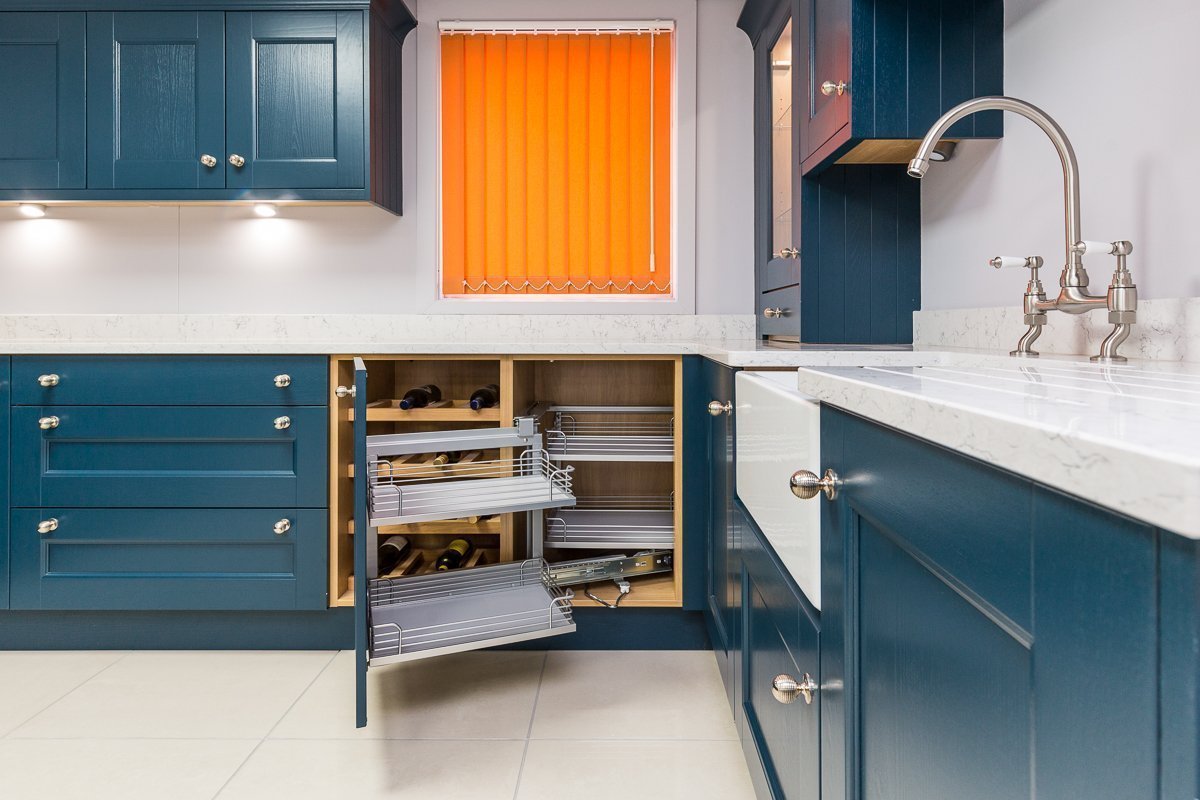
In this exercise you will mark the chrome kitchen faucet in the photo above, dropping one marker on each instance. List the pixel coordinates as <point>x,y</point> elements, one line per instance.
<point>1073,298</point>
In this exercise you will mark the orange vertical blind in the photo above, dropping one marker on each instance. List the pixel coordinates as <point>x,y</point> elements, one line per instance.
<point>556,163</point>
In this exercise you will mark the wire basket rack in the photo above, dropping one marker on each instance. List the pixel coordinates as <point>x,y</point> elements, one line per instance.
<point>614,523</point>
<point>611,433</point>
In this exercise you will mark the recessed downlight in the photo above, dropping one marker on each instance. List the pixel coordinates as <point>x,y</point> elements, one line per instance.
<point>32,210</point>
<point>265,210</point>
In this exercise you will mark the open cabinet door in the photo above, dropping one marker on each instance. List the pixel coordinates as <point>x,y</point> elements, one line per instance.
<point>360,543</point>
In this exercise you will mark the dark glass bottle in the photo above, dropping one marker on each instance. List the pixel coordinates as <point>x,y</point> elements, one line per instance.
<point>420,396</point>
<point>454,556</point>
<point>485,397</point>
<point>391,552</point>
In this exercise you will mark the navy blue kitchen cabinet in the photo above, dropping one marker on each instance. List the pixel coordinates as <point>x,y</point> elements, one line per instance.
<point>4,473</point>
<point>156,100</point>
<point>42,129</point>
<point>102,559</point>
<point>163,456</point>
<point>237,101</point>
<point>296,90</point>
<point>781,730</point>
<point>983,636</point>
<point>723,573</point>
<point>875,74</point>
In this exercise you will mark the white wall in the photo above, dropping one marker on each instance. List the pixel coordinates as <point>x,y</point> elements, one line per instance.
<point>1120,79</point>
<point>345,260</point>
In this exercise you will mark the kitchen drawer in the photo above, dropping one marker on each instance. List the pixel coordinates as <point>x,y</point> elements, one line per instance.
<point>171,380</point>
<point>169,559</point>
<point>164,457</point>
<point>785,309</point>
<point>781,733</point>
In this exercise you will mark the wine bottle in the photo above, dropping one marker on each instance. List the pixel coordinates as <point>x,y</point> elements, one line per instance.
<point>391,552</point>
<point>485,397</point>
<point>420,396</point>
<point>445,459</point>
<point>454,555</point>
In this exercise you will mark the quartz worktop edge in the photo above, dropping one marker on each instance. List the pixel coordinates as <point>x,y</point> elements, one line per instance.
<point>1131,480</point>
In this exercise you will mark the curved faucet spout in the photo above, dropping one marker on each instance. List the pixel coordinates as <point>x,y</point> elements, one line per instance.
<point>1073,272</point>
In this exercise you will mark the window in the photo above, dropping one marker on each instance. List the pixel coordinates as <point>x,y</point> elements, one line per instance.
<point>556,160</point>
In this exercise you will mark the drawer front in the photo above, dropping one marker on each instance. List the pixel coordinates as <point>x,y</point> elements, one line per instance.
<point>169,559</point>
<point>779,432</point>
<point>163,457</point>
<point>781,640</point>
<point>171,380</point>
<point>785,312</point>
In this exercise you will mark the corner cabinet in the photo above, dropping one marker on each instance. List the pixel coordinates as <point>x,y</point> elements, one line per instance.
<point>277,103</point>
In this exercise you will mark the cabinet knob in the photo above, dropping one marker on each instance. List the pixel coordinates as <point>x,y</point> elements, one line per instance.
<point>806,485</point>
<point>789,252</point>
<point>786,688</point>
<point>717,408</point>
<point>283,381</point>
<point>48,380</point>
<point>776,313</point>
<point>346,391</point>
<point>282,527</point>
<point>283,423</point>
<point>829,87</point>
<point>208,160</point>
<point>46,423</point>
<point>47,526</point>
<point>237,161</point>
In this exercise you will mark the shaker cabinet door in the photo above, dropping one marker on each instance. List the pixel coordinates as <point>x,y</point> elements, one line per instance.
<point>156,100</point>
<point>295,87</point>
<point>42,69</point>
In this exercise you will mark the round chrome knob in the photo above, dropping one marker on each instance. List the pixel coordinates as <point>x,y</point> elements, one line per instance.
<point>829,87</point>
<point>789,252</point>
<point>208,161</point>
<point>717,408</point>
<point>47,381</point>
<point>47,526</point>
<point>283,423</point>
<point>346,391</point>
<point>237,160</point>
<point>806,485</point>
<point>282,527</point>
<point>46,423</point>
<point>776,313</point>
<point>283,381</point>
<point>786,689</point>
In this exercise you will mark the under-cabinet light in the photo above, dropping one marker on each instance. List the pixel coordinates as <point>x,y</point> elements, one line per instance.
<point>266,210</point>
<point>32,210</point>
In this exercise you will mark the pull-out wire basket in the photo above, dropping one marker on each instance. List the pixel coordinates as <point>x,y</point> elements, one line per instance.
<point>613,523</point>
<point>466,609</point>
<point>423,492</point>
<point>611,433</point>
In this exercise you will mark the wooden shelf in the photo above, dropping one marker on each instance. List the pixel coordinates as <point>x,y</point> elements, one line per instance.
<point>655,591</point>
<point>445,527</point>
<point>441,411</point>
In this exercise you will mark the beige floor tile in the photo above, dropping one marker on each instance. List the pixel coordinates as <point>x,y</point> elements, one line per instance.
<point>124,769</point>
<point>29,682</point>
<point>380,769</point>
<point>663,770</point>
<point>632,695</point>
<point>462,696</point>
<point>185,695</point>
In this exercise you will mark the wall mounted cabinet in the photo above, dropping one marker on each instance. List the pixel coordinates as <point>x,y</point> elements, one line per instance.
<point>204,103</point>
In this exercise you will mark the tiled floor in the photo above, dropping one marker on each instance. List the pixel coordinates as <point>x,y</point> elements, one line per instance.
<point>489,725</point>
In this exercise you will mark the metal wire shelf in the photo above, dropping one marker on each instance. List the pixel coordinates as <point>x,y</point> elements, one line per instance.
<point>614,523</point>
<point>605,433</point>
<point>467,609</point>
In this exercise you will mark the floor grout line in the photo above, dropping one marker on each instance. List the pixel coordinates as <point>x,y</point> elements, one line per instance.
<point>271,730</point>
<point>529,731</point>
<point>63,696</point>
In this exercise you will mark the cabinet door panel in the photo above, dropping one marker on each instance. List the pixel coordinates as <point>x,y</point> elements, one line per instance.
<point>826,37</point>
<point>4,462</point>
<point>170,559</point>
<point>42,64</point>
<point>156,88</point>
<point>161,457</point>
<point>724,571</point>
<point>296,100</point>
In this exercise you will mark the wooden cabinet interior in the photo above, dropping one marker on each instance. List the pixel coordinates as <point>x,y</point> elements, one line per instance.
<point>523,381</point>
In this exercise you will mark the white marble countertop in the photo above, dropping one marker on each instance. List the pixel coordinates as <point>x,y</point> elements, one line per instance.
<point>1126,437</point>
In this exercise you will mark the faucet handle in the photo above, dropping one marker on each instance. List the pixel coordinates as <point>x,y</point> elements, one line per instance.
<point>1013,262</point>
<point>1118,248</point>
